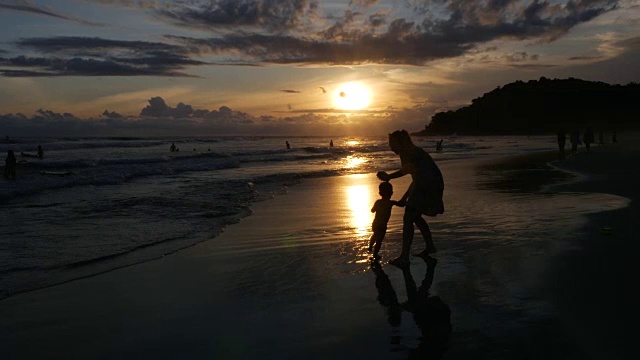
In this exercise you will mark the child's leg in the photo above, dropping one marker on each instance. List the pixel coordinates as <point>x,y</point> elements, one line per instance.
<point>378,242</point>
<point>372,241</point>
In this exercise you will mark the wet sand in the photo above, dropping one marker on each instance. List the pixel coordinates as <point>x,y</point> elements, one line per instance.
<point>293,280</point>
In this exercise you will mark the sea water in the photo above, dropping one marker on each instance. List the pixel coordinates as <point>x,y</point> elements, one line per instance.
<point>123,201</point>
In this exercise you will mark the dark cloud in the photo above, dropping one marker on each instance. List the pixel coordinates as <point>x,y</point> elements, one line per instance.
<point>54,66</point>
<point>271,15</point>
<point>112,115</point>
<point>520,56</point>
<point>349,40</point>
<point>581,58</point>
<point>84,56</point>
<point>28,7</point>
<point>290,91</point>
<point>158,108</point>
<point>630,44</point>
<point>156,119</point>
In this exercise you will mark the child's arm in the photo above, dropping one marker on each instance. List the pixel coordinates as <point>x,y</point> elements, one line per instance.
<point>375,206</point>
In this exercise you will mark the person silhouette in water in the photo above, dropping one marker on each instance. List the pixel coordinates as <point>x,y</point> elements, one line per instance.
<point>288,146</point>
<point>10,165</point>
<point>382,209</point>
<point>40,152</point>
<point>575,141</point>
<point>423,197</point>
<point>562,139</point>
<point>331,143</point>
<point>588,138</point>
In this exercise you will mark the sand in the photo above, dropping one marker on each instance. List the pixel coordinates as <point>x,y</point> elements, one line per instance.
<point>293,279</point>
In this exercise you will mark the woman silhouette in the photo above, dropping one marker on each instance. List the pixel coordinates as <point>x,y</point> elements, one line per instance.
<point>424,195</point>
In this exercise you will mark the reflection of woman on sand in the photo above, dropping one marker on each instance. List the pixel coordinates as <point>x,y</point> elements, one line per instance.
<point>424,195</point>
<point>430,313</point>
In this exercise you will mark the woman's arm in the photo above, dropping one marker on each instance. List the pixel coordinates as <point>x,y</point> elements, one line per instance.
<point>384,176</point>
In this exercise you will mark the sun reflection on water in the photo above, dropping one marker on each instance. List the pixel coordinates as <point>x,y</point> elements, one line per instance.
<point>354,161</point>
<point>359,201</point>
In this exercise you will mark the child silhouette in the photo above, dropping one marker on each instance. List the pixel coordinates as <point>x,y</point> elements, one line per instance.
<point>382,208</point>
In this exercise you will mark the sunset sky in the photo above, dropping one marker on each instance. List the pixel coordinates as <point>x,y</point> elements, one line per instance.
<point>306,67</point>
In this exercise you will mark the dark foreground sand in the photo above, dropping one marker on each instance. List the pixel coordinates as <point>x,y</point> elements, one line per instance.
<point>293,280</point>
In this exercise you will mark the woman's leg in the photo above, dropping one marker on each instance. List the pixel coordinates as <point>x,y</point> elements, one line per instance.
<point>410,216</point>
<point>426,234</point>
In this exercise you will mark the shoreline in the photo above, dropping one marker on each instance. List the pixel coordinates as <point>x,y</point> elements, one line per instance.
<point>593,282</point>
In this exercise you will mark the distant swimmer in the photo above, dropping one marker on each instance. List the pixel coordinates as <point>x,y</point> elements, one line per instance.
<point>439,145</point>
<point>331,143</point>
<point>575,141</point>
<point>562,140</point>
<point>588,138</point>
<point>10,165</point>
<point>288,146</point>
<point>173,147</point>
<point>40,152</point>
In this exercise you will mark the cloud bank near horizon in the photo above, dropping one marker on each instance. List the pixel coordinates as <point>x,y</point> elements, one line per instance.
<point>159,119</point>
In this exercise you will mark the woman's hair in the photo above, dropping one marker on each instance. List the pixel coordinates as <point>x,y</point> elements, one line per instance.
<point>400,137</point>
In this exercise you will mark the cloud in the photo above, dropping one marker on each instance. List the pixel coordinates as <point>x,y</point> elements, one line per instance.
<point>112,115</point>
<point>84,56</point>
<point>520,56</point>
<point>27,7</point>
<point>273,16</point>
<point>290,91</point>
<point>459,28</point>
<point>157,118</point>
<point>160,119</point>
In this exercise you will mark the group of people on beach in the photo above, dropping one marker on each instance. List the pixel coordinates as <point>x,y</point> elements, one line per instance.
<point>422,197</point>
<point>588,138</point>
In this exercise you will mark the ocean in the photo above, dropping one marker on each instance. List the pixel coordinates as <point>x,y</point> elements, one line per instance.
<point>92,205</point>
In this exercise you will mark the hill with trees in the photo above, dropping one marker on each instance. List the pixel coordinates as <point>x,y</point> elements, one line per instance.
<point>543,106</point>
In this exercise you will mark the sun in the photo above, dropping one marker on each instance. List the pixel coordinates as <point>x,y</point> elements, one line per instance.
<point>352,96</point>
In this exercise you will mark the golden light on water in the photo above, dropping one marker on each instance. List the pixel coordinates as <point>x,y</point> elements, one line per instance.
<point>353,143</point>
<point>353,162</point>
<point>352,96</point>
<point>359,202</point>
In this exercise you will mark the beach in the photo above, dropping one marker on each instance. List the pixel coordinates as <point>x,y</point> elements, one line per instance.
<point>532,264</point>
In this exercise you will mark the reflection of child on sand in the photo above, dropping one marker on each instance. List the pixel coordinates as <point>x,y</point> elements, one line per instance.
<point>382,208</point>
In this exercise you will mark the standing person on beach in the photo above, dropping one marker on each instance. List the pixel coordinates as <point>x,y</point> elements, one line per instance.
<point>40,152</point>
<point>588,138</point>
<point>575,141</point>
<point>382,208</point>
<point>424,195</point>
<point>562,139</point>
<point>10,165</point>
<point>287,144</point>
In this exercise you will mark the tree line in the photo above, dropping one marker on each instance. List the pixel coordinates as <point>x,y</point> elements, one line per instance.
<point>543,106</point>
